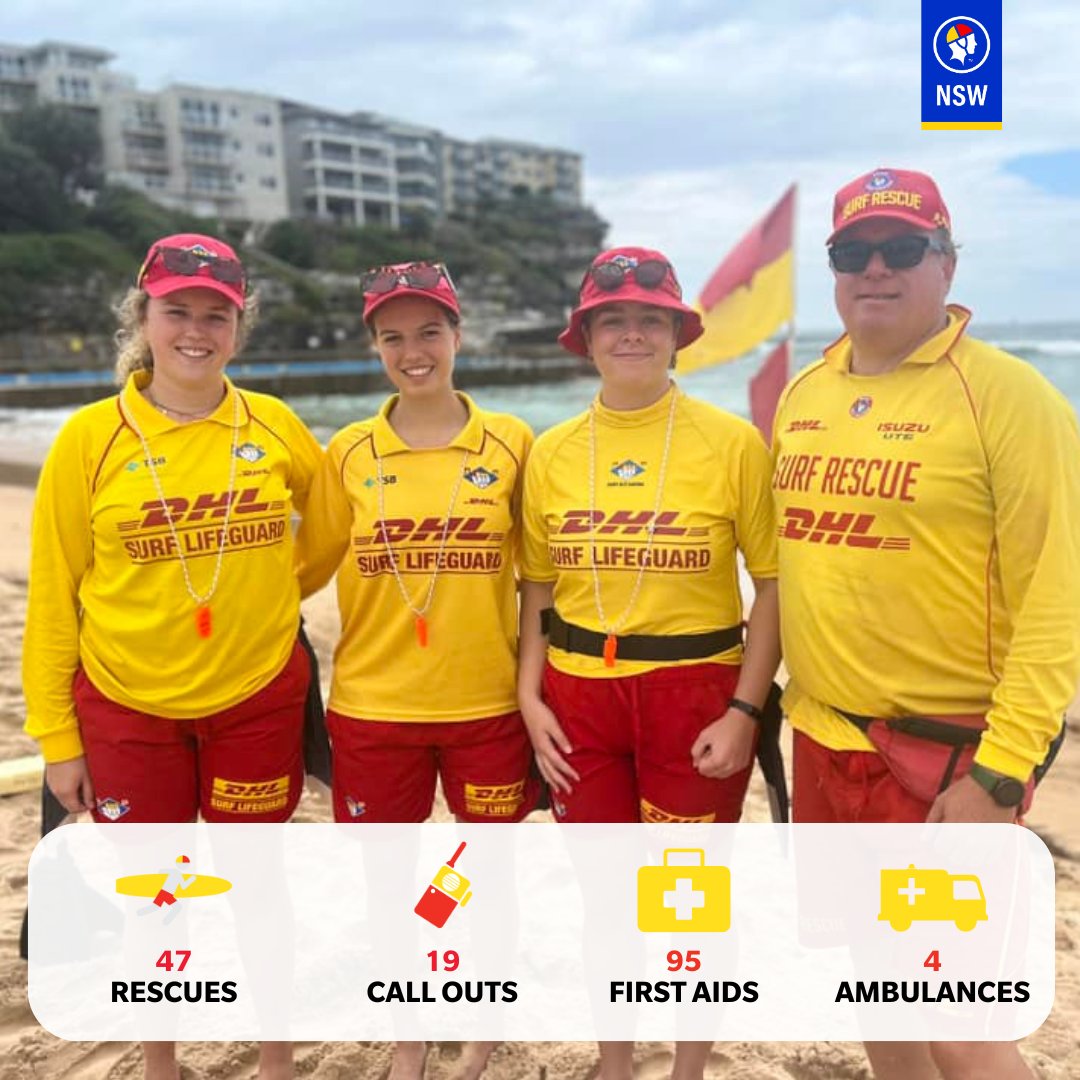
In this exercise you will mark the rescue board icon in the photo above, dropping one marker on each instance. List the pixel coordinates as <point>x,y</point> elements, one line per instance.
<point>914,895</point>
<point>165,888</point>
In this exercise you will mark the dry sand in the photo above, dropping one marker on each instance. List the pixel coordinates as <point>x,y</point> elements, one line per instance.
<point>29,1053</point>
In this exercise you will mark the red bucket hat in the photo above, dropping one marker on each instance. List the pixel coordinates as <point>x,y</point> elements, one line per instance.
<point>429,280</point>
<point>630,275</point>
<point>188,260</point>
<point>900,194</point>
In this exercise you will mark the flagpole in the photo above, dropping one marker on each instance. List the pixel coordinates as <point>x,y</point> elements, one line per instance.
<point>794,277</point>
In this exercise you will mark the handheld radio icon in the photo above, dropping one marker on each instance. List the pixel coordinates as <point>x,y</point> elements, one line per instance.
<point>447,891</point>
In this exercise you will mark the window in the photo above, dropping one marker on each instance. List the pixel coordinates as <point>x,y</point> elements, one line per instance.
<point>338,178</point>
<point>263,119</point>
<point>195,112</point>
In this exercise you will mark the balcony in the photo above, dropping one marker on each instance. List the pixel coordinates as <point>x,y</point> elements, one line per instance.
<point>200,120</point>
<point>147,160</point>
<point>206,156</point>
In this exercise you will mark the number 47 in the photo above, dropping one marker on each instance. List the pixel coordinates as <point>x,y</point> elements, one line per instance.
<point>165,960</point>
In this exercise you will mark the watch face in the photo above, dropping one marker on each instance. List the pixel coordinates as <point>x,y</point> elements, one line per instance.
<point>1008,792</point>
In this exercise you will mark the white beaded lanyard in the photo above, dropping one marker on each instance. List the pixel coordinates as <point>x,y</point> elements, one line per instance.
<point>419,613</point>
<point>203,620</point>
<point>611,629</point>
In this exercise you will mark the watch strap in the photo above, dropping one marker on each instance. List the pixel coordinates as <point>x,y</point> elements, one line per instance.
<point>745,706</point>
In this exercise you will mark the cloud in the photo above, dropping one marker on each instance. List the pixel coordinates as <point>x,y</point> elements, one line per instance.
<point>692,115</point>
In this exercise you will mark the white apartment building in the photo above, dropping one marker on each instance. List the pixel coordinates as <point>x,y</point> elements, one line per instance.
<point>494,168</point>
<point>233,154</point>
<point>53,72</point>
<point>339,167</point>
<point>418,162</point>
<point>216,153</point>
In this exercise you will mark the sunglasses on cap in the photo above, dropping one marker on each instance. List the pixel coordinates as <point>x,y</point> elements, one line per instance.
<point>649,274</point>
<point>899,253</point>
<point>421,275</point>
<point>188,263</point>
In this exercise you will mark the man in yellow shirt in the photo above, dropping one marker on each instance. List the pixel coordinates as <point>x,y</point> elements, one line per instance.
<point>929,561</point>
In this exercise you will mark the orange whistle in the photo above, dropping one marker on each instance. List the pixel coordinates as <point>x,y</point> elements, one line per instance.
<point>421,631</point>
<point>611,645</point>
<point>203,621</point>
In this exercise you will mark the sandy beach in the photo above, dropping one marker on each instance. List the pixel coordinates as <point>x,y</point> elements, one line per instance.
<point>29,1053</point>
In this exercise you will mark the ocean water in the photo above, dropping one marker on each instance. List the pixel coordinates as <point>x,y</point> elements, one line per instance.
<point>1053,348</point>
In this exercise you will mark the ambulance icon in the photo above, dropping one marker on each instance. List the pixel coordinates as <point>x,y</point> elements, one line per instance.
<point>931,895</point>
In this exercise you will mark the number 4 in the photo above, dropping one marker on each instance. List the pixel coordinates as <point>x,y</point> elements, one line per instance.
<point>933,961</point>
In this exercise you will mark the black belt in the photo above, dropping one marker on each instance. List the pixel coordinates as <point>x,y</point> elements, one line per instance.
<point>919,727</point>
<point>577,639</point>
<point>955,735</point>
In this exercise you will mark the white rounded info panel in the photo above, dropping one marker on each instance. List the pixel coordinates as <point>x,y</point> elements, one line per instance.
<point>549,932</point>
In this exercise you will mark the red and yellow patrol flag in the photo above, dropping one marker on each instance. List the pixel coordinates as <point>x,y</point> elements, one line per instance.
<point>766,387</point>
<point>751,294</point>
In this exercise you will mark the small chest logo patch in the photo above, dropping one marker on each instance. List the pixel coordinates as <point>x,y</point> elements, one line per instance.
<point>481,477</point>
<point>250,452</point>
<point>628,470</point>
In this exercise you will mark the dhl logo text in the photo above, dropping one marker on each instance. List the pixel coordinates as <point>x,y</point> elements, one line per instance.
<point>258,790</point>
<point>238,797</point>
<point>829,527</point>
<point>622,522</point>
<point>494,800</point>
<point>202,508</point>
<point>407,530</point>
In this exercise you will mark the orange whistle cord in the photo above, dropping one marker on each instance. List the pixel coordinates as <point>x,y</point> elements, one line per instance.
<point>204,622</point>
<point>611,645</point>
<point>421,631</point>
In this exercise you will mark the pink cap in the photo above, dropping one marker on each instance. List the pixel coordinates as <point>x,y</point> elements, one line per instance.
<point>385,283</point>
<point>666,294</point>
<point>192,260</point>
<point>900,194</point>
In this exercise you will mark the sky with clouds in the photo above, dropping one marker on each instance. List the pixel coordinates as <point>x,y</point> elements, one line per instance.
<point>693,116</point>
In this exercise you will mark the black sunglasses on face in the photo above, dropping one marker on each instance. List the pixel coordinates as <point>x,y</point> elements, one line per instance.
<point>649,274</point>
<point>188,263</point>
<point>386,279</point>
<point>899,253</point>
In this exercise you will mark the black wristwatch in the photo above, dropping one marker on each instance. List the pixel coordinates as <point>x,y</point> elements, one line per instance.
<point>1004,790</point>
<point>744,706</point>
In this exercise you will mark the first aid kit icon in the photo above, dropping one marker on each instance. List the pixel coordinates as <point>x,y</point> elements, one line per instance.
<point>684,895</point>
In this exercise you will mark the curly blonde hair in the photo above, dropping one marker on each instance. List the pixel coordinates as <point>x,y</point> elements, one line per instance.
<point>132,350</point>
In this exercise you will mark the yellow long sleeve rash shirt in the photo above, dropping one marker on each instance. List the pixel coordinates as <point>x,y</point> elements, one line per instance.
<point>929,524</point>
<point>107,587</point>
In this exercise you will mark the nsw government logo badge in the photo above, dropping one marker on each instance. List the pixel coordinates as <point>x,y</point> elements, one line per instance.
<point>961,65</point>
